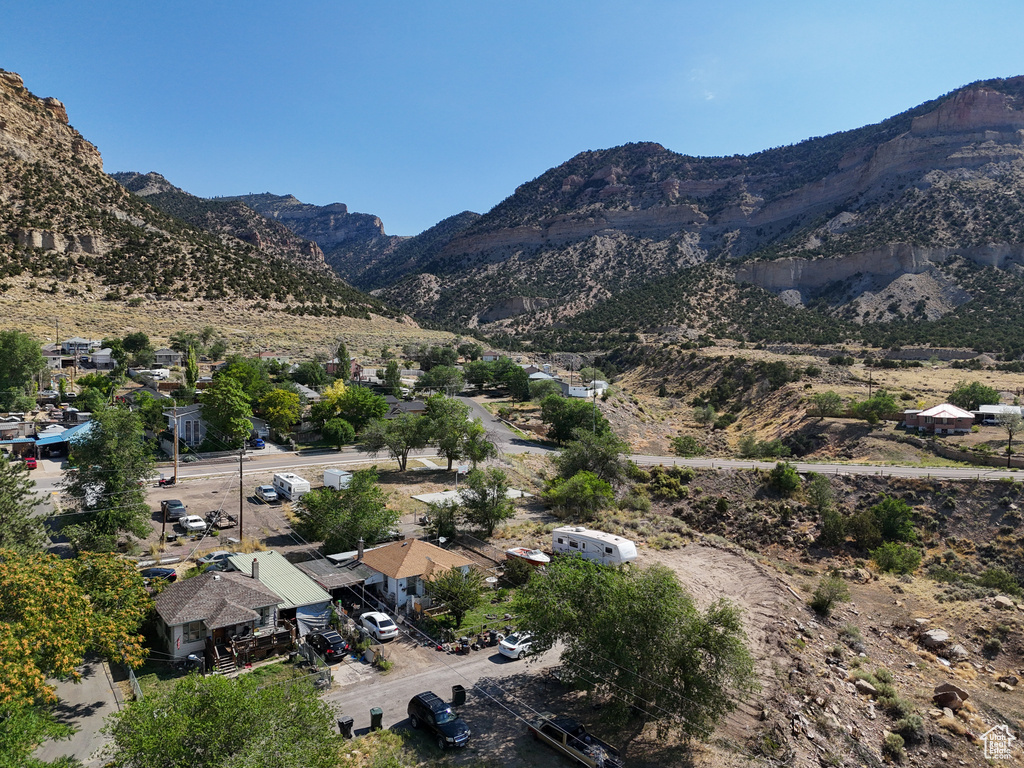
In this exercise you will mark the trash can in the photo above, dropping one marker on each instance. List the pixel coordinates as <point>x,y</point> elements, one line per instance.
<point>376,716</point>
<point>345,727</point>
<point>458,695</point>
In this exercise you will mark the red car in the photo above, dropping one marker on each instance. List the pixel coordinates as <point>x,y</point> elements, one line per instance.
<point>30,462</point>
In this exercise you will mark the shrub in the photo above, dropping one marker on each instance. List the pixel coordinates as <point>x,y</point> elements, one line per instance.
<point>833,528</point>
<point>997,578</point>
<point>911,728</point>
<point>784,478</point>
<point>831,590</point>
<point>517,571</point>
<point>863,529</point>
<point>722,505</point>
<point>687,445</point>
<point>894,518</point>
<point>892,747</point>
<point>893,557</point>
<point>992,647</point>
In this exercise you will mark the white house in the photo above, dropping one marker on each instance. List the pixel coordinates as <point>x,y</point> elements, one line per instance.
<point>79,346</point>
<point>593,389</point>
<point>103,359</point>
<point>400,569</point>
<point>491,355</point>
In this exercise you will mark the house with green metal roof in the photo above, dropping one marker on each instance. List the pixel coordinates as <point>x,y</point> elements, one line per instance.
<point>302,599</point>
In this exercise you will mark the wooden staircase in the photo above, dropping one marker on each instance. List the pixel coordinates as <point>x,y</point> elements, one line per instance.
<point>223,661</point>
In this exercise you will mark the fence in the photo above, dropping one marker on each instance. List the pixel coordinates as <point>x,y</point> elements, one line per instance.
<point>136,688</point>
<point>322,669</point>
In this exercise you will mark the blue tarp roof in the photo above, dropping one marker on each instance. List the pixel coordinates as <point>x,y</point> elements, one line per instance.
<point>64,436</point>
<point>16,440</point>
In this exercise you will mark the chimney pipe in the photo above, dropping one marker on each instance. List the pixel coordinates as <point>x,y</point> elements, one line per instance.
<point>359,549</point>
<point>256,569</point>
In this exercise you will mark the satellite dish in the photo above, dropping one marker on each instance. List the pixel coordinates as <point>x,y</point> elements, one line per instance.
<point>441,539</point>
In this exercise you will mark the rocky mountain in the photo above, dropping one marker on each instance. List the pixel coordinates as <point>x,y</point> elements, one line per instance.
<point>912,218</point>
<point>66,224</point>
<point>231,218</point>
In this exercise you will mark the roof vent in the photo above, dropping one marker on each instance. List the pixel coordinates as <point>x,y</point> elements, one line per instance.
<point>216,577</point>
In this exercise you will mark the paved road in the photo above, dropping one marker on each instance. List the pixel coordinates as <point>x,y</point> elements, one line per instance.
<point>83,705</point>
<point>392,692</point>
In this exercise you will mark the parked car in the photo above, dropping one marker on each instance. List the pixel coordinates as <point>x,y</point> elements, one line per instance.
<point>173,509</point>
<point>568,737</point>
<point>266,493</point>
<point>328,644</point>
<point>30,462</point>
<point>218,557</point>
<point>192,524</point>
<point>257,442</point>
<point>429,711</point>
<point>516,646</point>
<point>154,574</point>
<point>379,625</point>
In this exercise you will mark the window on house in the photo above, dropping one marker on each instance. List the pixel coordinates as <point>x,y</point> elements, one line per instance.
<point>264,615</point>
<point>188,431</point>
<point>192,632</point>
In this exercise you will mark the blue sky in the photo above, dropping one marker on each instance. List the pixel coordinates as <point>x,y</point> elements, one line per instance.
<point>417,111</point>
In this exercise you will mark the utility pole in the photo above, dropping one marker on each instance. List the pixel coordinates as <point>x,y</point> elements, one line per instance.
<point>241,493</point>
<point>594,430</point>
<point>175,430</point>
<point>870,382</point>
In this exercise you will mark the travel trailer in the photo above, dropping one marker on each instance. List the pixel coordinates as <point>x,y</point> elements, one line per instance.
<point>605,548</point>
<point>290,486</point>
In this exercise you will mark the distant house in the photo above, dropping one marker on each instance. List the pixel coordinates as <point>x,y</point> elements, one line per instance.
<point>103,359</point>
<point>278,356</point>
<point>540,376</point>
<point>530,369</point>
<point>333,367</point>
<point>191,427</point>
<point>491,355</point>
<point>216,606</point>
<point>53,355</point>
<point>400,569</point>
<point>167,357</point>
<point>944,419</point>
<point>79,346</point>
<point>593,389</point>
<point>398,407</point>
<point>311,395</point>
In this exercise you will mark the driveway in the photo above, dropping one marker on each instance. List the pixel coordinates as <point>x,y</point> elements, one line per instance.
<point>83,705</point>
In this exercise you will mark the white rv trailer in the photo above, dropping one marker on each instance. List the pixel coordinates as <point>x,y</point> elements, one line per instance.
<point>605,548</point>
<point>338,479</point>
<point>290,486</point>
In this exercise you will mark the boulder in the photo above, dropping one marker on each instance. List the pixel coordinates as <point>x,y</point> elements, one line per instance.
<point>950,696</point>
<point>1009,679</point>
<point>934,638</point>
<point>1004,687</point>
<point>957,653</point>
<point>1003,602</point>
<point>863,686</point>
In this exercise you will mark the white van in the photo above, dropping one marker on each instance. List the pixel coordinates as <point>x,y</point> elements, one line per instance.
<point>338,479</point>
<point>290,486</point>
<point>604,548</point>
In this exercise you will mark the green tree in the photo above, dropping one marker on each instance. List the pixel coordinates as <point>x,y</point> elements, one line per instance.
<point>393,377</point>
<point>880,406</point>
<point>827,403</point>
<point>581,496</point>
<point>212,722</point>
<point>21,531</point>
<point>636,638</point>
<point>191,368</point>
<point>566,415</point>
<point>398,436</point>
<point>443,519</point>
<point>602,454</point>
<point>281,409</point>
<point>106,488</point>
<point>971,396</point>
<point>338,432</point>
<point>310,373</point>
<point>476,447</point>
<point>894,557</point>
<point>588,375</point>
<point>449,420</point>
<point>21,358</point>
<point>226,410</point>
<point>340,518</point>
<point>182,341</point>
<point>485,501</point>
<point>438,356</point>
<point>895,519</point>
<point>459,592</point>
<point>544,388</point>
<point>518,383</point>
<point>251,374</point>
<point>136,342</point>
<point>1012,424</point>
<point>470,351</point>
<point>442,378</point>
<point>704,414</point>
<point>356,405</point>
<point>784,478</point>
<point>687,445</point>
<point>831,589</point>
<point>344,362</point>
<point>478,373</point>
<point>819,492</point>
<point>833,528</point>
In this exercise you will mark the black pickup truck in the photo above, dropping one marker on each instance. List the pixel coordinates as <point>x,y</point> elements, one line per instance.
<point>571,739</point>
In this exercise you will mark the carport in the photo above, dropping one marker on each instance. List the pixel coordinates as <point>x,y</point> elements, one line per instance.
<point>19,447</point>
<point>58,442</point>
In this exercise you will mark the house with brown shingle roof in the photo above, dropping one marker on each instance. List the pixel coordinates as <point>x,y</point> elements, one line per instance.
<point>213,605</point>
<point>400,569</point>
